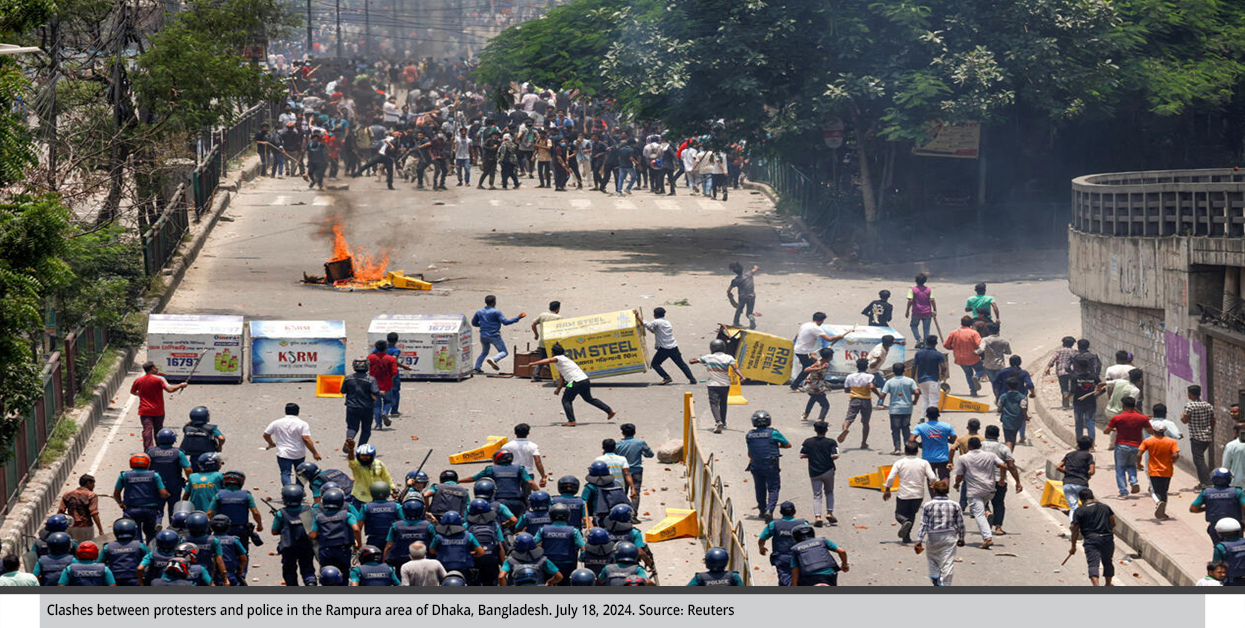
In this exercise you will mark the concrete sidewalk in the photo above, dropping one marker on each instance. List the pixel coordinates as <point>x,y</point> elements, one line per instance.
<point>1178,547</point>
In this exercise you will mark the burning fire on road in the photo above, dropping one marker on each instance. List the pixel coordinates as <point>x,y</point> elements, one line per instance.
<point>357,269</point>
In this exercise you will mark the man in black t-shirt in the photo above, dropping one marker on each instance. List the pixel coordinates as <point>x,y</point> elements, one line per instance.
<point>1095,522</point>
<point>744,283</point>
<point>821,453</point>
<point>1084,402</point>
<point>880,310</point>
<point>1077,467</point>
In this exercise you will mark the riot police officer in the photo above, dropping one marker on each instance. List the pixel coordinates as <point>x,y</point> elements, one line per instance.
<point>527,577</point>
<point>485,489</point>
<point>416,484</point>
<point>205,482</point>
<point>210,554</point>
<point>234,502</point>
<point>233,552</point>
<point>537,516</point>
<point>453,579</point>
<point>602,492</point>
<point>811,560</point>
<point>412,528</point>
<point>176,573</point>
<point>171,464</point>
<point>625,566</point>
<point>583,578</point>
<point>124,555</point>
<point>527,555</point>
<point>780,530</point>
<point>561,541</point>
<point>371,572</point>
<point>154,562</point>
<point>295,546</point>
<point>336,530</point>
<point>454,546</point>
<point>189,553</point>
<point>55,523</point>
<point>447,496</point>
<point>140,492</point>
<point>378,515</point>
<point>598,550</point>
<point>1219,501</point>
<point>482,523</point>
<point>763,444</point>
<point>331,576</point>
<point>316,479</point>
<point>200,437</point>
<point>49,566</point>
<point>716,560</point>
<point>568,495</point>
<point>618,525</point>
<point>87,571</point>
<point>511,482</point>
<point>1231,550</point>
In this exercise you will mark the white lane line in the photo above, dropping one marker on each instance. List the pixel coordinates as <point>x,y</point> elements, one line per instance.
<point>624,205</point>
<point>709,205</point>
<point>112,434</point>
<point>581,203</point>
<point>494,202</point>
<point>322,200</point>
<point>668,205</point>
<point>280,200</point>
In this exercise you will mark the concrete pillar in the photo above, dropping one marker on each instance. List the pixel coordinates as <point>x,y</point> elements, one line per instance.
<point>1231,287</point>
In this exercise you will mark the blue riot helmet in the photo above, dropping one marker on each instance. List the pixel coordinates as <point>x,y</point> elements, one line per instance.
<point>413,510</point>
<point>538,501</point>
<point>166,436</point>
<point>626,553</point>
<point>484,489</point>
<point>716,559</point>
<point>524,542</point>
<point>331,576</point>
<point>583,578</point>
<point>125,529</point>
<point>333,499</point>
<point>198,524</point>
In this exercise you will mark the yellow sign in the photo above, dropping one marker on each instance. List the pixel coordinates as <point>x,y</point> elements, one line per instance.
<point>962,141</point>
<point>762,357</point>
<point>603,345</point>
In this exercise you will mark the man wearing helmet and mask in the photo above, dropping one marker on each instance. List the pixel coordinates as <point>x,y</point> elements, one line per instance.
<point>200,437</point>
<point>1220,501</point>
<point>125,554</point>
<point>171,464</point>
<point>371,572</point>
<point>295,547</point>
<point>150,388</point>
<point>763,444</point>
<point>716,561</point>
<point>447,496</point>
<point>416,484</point>
<point>140,492</point>
<point>367,470</point>
<point>512,482</point>
<point>361,392</point>
<point>719,366</point>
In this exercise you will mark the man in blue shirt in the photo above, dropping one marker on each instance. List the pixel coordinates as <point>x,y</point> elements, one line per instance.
<point>635,450</point>
<point>936,438</point>
<point>1013,371</point>
<point>490,319</point>
<point>930,367</point>
<point>903,394</point>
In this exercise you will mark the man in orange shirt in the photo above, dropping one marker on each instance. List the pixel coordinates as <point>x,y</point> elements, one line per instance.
<point>963,342</point>
<point>1163,454</point>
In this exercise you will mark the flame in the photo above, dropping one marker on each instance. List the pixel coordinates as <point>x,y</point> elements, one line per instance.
<point>366,266</point>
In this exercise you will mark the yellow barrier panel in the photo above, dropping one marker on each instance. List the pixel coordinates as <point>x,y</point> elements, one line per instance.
<point>483,453</point>
<point>735,395</point>
<point>329,385</point>
<point>951,403</point>
<point>398,279</point>
<point>711,511</point>
<point>872,480</point>
<point>679,523</point>
<point>1052,495</point>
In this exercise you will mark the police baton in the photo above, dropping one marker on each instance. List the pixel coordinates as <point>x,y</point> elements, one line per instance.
<point>425,461</point>
<point>270,506</point>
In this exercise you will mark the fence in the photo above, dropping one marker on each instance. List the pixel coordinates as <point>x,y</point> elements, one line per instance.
<point>160,240</point>
<point>820,206</point>
<point>714,514</point>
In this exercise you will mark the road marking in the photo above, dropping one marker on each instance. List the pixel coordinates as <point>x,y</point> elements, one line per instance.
<point>494,202</point>
<point>322,200</point>
<point>112,434</point>
<point>668,205</point>
<point>621,204</point>
<point>280,200</point>
<point>581,203</point>
<point>709,205</point>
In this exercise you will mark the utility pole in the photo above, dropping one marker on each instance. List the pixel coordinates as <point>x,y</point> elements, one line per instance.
<point>393,31</point>
<point>367,30</point>
<point>338,4</point>
<point>308,51</point>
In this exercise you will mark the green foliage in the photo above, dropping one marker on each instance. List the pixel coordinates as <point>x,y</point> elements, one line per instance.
<point>113,263</point>
<point>16,153</point>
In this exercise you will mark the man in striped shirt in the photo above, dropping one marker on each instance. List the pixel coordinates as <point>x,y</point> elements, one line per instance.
<point>1200,417</point>
<point>942,522</point>
<point>719,365</point>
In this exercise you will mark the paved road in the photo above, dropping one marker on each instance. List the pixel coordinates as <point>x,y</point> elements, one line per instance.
<point>594,253</point>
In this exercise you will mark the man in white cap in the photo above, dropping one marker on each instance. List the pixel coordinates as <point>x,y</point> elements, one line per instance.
<point>1163,452</point>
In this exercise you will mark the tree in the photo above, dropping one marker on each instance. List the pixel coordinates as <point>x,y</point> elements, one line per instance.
<point>16,153</point>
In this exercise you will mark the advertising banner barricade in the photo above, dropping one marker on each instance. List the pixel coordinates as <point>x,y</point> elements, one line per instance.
<point>297,351</point>
<point>603,345</point>
<point>177,343</point>
<point>434,346</point>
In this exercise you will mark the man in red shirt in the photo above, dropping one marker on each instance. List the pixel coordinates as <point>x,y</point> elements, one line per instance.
<point>150,389</point>
<point>1130,428</point>
<point>384,368</point>
<point>963,342</point>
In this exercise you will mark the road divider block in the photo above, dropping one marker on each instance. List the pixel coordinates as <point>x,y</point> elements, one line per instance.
<point>679,523</point>
<point>329,385</point>
<point>483,453</point>
<point>871,480</point>
<point>1052,495</point>
<point>951,403</point>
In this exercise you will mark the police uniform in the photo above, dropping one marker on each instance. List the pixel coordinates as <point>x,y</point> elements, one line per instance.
<point>448,496</point>
<point>533,521</point>
<point>235,503</point>
<point>1220,503</point>
<point>234,553</point>
<point>454,551</point>
<point>511,482</point>
<point>763,445</point>
<point>780,553</point>
<point>402,534</point>
<point>335,535</point>
<point>716,579</point>
<point>561,543</point>
<point>816,563</point>
<point>343,481</point>
<point>616,574</point>
<point>374,575</point>
<point>488,534</point>
<point>537,560</point>
<point>295,546</point>
<point>576,504</point>
<point>1232,552</point>
<point>377,517</point>
<point>48,568</point>
<point>87,574</point>
<point>168,463</point>
<point>154,563</point>
<point>140,492</point>
<point>165,581</point>
<point>597,557</point>
<point>199,439</point>
<point>123,558</point>
<point>601,499</point>
<point>209,549</point>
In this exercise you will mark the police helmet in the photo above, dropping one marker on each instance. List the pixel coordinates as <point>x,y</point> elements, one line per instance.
<point>418,477</point>
<point>524,542</point>
<point>449,475</point>
<point>786,509</point>
<point>166,541</point>
<point>221,524</point>
<point>717,346</point>
<point>186,550</point>
<point>197,524</point>
<point>140,461</point>
<point>484,489</point>
<point>56,523</point>
<point>360,366</point>
<point>538,501</point>
<point>307,470</point>
<point>60,542</point>
<point>369,554</point>
<point>379,490</point>
<point>761,418</point>
<point>413,510</point>
<point>803,533</point>
<point>597,536</point>
<point>478,507</point>
<point>716,559</point>
<point>334,498</point>
<point>621,513</point>
<point>453,579</point>
<point>292,494</point>
<point>331,576</point>
<point>166,436</point>
<point>598,469</point>
<point>177,569</point>
<point>329,486</point>
<point>451,518</point>
<point>634,581</point>
<point>560,512</point>
<point>626,553</point>
<point>178,520</point>
<point>583,578</point>
<point>87,551</point>
<point>1225,527</point>
<point>365,451</point>
<point>568,484</point>
<point>234,478</point>
<point>124,529</point>
<point>199,415</point>
<point>209,461</point>
<point>503,456</point>
<point>1221,477</point>
<point>526,577</point>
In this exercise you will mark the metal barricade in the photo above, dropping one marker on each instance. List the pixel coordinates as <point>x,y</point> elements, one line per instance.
<point>714,514</point>
<point>161,239</point>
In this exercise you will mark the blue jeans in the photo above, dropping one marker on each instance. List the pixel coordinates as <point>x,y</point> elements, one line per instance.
<point>378,408</point>
<point>464,170</point>
<point>1125,463</point>
<point>624,172</point>
<point>279,164</point>
<point>970,373</point>
<point>394,396</point>
<point>919,338</point>
<point>1071,495</point>
<point>1084,420</point>
<point>287,466</point>
<point>496,343</point>
<point>766,482</point>
<point>359,423</point>
<point>707,181</point>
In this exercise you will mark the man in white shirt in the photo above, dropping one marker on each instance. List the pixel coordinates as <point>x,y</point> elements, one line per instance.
<point>391,113</point>
<point>667,348</point>
<point>719,366</point>
<point>552,314</point>
<point>807,343</point>
<point>980,470</point>
<point>576,383</point>
<point>526,453</point>
<point>462,156</point>
<point>421,571</point>
<point>689,166</point>
<point>915,475</point>
<point>291,437</point>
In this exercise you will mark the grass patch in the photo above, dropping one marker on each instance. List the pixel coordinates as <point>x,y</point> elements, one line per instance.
<point>96,377</point>
<point>682,302</point>
<point>58,440</point>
